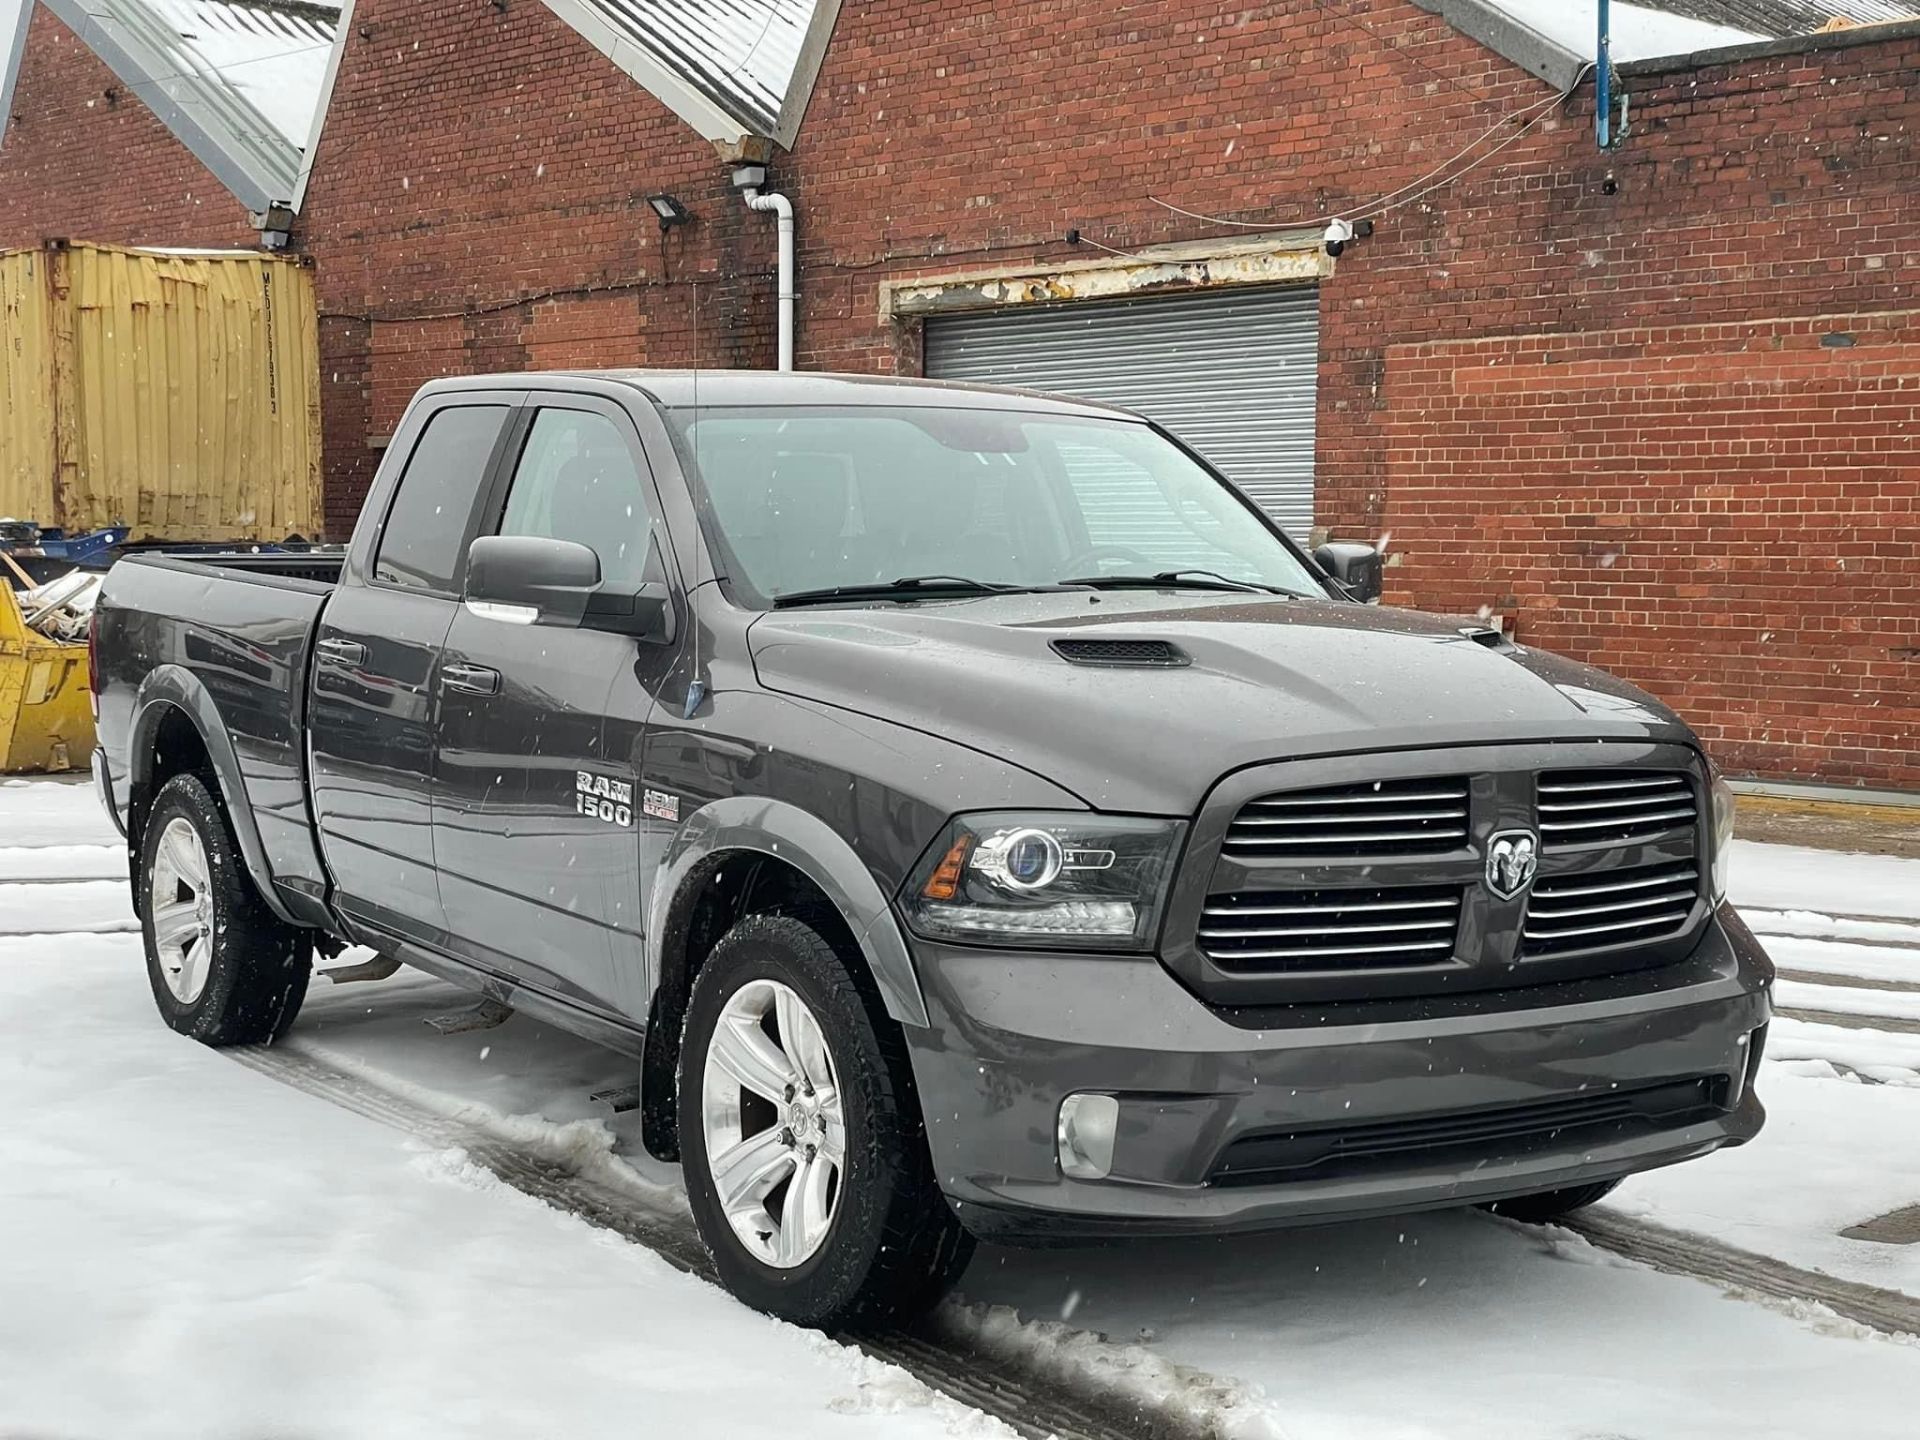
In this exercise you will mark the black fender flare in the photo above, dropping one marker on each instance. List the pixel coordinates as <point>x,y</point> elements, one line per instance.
<point>806,842</point>
<point>175,687</point>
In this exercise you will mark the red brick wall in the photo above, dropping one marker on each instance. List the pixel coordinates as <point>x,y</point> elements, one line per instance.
<point>480,203</point>
<point>1729,512</point>
<point>1673,430</point>
<point>83,159</point>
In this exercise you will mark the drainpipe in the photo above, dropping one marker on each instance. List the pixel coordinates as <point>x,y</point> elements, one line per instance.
<point>750,178</point>
<point>1603,81</point>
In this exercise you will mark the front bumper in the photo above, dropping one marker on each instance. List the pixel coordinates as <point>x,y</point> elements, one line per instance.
<point>1011,1035</point>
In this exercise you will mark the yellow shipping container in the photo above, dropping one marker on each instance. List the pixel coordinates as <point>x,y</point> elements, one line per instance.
<point>177,393</point>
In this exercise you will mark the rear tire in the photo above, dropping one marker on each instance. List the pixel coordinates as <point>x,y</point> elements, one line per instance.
<point>224,968</point>
<point>866,1240</point>
<point>1551,1205</point>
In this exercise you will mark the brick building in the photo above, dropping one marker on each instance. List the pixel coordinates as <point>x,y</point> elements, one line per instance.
<point>1654,406</point>
<point>157,122</point>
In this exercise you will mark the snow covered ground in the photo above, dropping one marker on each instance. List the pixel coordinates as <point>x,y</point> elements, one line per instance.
<point>197,1250</point>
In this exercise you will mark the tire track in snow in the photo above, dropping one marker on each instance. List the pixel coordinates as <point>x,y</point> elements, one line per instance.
<point>1681,1253</point>
<point>1033,1404</point>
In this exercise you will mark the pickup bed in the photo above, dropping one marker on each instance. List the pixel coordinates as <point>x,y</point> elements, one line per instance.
<point>855,752</point>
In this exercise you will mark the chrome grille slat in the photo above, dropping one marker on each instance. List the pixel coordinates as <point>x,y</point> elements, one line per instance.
<point>1583,806</point>
<point>1673,917</point>
<point>1330,843</point>
<point>1348,930</point>
<point>1418,815</point>
<point>1313,798</point>
<point>1611,821</point>
<point>1566,885</point>
<point>1609,908</point>
<point>1587,807</point>
<point>1216,911</point>
<point>1683,896</point>
<point>1316,951</point>
<point>1282,931</point>
<point>1372,817</point>
<point>1575,787</point>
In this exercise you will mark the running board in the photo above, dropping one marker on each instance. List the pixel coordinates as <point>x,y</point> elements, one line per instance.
<point>621,1097</point>
<point>381,967</point>
<point>484,1016</point>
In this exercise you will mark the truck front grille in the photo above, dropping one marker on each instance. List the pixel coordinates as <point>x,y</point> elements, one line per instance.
<point>1609,908</point>
<point>1613,807</point>
<point>1364,878</point>
<point>1303,930</point>
<point>1382,817</point>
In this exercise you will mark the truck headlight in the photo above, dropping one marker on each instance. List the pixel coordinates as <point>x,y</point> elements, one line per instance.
<point>1045,878</point>
<point>1722,830</point>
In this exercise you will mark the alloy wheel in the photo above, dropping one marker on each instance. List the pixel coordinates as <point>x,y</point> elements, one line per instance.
<point>180,901</point>
<point>775,1124</point>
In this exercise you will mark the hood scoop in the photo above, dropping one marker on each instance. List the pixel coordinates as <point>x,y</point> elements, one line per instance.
<point>1486,635</point>
<point>1123,654</point>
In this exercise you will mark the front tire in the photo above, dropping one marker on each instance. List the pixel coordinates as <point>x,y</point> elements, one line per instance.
<point>805,1158</point>
<point>1551,1205</point>
<point>224,969</point>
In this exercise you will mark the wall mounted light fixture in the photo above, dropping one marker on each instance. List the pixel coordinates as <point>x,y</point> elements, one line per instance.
<point>670,211</point>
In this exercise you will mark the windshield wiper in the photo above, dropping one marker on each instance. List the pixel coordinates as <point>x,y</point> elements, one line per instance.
<point>908,586</point>
<point>1178,580</point>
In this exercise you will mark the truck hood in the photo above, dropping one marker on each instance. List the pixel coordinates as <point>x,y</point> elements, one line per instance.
<point>1269,679</point>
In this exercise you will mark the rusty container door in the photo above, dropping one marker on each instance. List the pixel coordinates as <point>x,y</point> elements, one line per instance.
<point>26,388</point>
<point>179,395</point>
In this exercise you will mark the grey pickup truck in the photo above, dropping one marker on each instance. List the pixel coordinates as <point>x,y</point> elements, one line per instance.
<point>972,814</point>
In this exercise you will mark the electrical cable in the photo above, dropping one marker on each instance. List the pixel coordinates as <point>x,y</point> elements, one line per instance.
<point>1393,199</point>
<point>1086,239</point>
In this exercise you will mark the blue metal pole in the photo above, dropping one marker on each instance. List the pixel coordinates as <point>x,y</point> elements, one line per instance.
<point>1603,83</point>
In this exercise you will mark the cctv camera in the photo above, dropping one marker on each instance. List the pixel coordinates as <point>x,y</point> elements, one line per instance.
<point>1339,233</point>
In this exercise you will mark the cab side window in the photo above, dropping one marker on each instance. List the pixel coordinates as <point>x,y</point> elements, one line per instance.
<point>577,480</point>
<point>425,536</point>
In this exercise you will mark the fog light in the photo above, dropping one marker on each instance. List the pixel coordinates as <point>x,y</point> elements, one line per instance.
<point>1085,1135</point>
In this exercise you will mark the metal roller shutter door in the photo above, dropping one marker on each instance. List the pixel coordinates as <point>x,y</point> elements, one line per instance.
<point>1231,373</point>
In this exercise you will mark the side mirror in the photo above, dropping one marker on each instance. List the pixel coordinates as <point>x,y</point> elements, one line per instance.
<point>1360,569</point>
<point>645,613</point>
<point>531,580</point>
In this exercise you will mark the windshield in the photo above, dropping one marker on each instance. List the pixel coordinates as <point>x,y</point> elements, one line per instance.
<point>819,498</point>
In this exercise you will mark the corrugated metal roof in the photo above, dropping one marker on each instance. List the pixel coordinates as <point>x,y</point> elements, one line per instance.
<point>1783,19</point>
<point>237,81</point>
<point>1652,29</point>
<point>730,68</point>
<point>1556,39</point>
<point>272,54</point>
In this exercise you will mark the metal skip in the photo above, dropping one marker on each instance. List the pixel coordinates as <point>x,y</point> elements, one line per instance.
<point>46,715</point>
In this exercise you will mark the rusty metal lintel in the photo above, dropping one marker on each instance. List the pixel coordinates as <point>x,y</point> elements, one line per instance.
<point>1292,257</point>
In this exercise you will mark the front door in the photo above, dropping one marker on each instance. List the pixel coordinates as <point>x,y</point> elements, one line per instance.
<point>534,823</point>
<point>373,713</point>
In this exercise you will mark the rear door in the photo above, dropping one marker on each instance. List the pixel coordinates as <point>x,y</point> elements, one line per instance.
<point>534,822</point>
<point>371,728</point>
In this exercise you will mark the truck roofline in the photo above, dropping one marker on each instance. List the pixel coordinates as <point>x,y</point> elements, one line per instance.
<point>679,389</point>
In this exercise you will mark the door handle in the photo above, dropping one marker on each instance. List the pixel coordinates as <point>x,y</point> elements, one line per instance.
<point>470,679</point>
<point>347,652</point>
